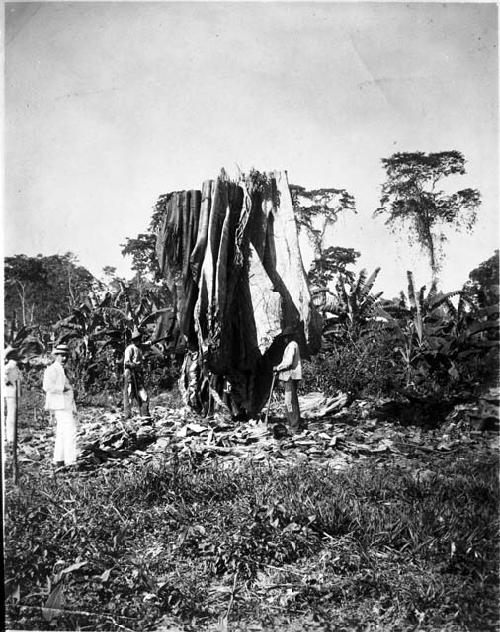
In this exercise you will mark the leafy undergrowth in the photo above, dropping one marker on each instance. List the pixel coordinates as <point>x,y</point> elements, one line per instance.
<point>257,548</point>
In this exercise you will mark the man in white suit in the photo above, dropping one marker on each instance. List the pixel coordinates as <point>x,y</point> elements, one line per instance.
<point>59,399</point>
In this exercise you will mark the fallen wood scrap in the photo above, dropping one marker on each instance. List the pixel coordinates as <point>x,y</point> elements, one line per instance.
<point>107,441</point>
<point>315,405</point>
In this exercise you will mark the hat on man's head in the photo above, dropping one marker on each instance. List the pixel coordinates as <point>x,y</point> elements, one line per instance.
<point>135,334</point>
<point>60,349</point>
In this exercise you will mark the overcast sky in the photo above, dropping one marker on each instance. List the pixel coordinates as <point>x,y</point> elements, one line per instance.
<point>109,105</point>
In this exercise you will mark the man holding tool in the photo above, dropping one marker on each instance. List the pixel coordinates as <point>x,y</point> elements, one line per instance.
<point>289,372</point>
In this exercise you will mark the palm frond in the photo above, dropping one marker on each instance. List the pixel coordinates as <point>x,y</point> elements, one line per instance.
<point>360,282</point>
<point>452,310</point>
<point>433,290</point>
<point>421,299</point>
<point>371,281</point>
<point>439,300</point>
<point>411,290</point>
<point>150,318</point>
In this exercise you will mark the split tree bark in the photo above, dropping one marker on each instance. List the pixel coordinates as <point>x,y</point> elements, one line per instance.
<point>231,260</point>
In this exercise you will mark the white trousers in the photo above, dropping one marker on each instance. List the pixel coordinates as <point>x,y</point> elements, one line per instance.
<point>10,418</point>
<point>66,429</point>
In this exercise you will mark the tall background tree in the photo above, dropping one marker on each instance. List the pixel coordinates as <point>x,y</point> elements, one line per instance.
<point>24,276</point>
<point>411,198</point>
<point>42,289</point>
<point>141,249</point>
<point>315,212</point>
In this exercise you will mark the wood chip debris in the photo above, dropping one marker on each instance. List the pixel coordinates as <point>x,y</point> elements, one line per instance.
<point>337,440</point>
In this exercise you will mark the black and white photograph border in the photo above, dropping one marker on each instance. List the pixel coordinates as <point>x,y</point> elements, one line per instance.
<point>250,316</point>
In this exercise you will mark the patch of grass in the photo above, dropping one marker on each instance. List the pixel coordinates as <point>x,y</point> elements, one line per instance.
<point>371,546</point>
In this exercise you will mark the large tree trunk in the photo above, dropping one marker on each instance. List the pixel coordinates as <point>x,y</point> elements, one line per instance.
<point>231,259</point>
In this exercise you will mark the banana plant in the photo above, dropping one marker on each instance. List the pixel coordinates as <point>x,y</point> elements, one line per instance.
<point>28,341</point>
<point>356,302</point>
<point>93,321</point>
<point>84,330</point>
<point>430,333</point>
<point>416,324</point>
<point>127,318</point>
<point>98,332</point>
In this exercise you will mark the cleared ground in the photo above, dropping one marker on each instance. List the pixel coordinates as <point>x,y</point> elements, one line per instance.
<point>194,524</point>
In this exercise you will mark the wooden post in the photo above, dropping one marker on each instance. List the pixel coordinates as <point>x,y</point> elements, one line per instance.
<point>270,397</point>
<point>14,439</point>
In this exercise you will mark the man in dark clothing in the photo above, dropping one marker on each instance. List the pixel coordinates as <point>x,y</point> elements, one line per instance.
<point>133,377</point>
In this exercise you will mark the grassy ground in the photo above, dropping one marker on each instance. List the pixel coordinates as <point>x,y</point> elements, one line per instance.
<point>193,546</point>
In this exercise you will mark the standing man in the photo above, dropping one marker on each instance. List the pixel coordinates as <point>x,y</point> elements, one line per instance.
<point>12,385</point>
<point>133,377</point>
<point>290,372</point>
<point>60,400</point>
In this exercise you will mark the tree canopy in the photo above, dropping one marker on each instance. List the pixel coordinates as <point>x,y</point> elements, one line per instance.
<point>332,264</point>
<point>484,281</point>
<point>318,209</point>
<point>141,249</point>
<point>411,197</point>
<point>315,211</point>
<point>44,289</point>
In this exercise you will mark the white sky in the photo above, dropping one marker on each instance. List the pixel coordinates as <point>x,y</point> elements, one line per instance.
<point>109,105</point>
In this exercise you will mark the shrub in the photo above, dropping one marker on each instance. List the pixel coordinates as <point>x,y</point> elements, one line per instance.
<point>363,367</point>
